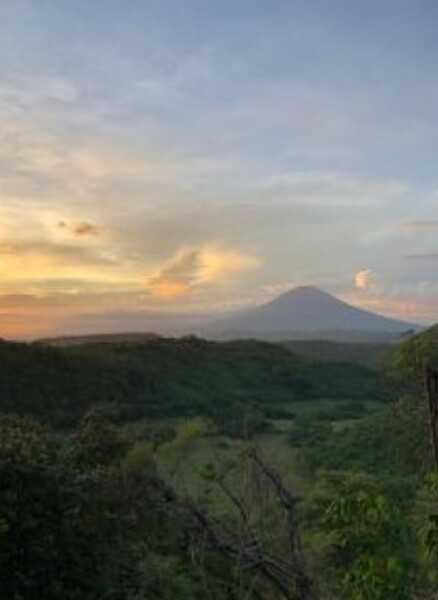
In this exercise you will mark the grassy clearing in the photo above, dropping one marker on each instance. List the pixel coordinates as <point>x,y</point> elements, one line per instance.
<point>185,464</point>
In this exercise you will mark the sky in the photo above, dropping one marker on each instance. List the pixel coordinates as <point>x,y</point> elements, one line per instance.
<point>189,158</point>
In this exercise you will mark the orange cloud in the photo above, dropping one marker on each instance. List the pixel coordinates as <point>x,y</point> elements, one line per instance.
<point>81,229</point>
<point>364,279</point>
<point>169,289</point>
<point>407,307</point>
<point>192,268</point>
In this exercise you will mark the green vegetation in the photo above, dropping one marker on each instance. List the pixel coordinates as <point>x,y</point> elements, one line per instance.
<point>412,356</point>
<point>191,469</point>
<point>393,439</point>
<point>233,383</point>
<point>365,354</point>
<point>368,543</point>
<point>80,519</point>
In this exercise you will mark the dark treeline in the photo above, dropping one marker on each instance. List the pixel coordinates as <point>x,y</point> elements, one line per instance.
<point>372,355</point>
<point>172,377</point>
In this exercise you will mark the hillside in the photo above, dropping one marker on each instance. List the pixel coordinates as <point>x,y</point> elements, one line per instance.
<point>308,313</point>
<point>171,377</point>
<point>414,354</point>
<point>369,355</point>
<point>104,338</point>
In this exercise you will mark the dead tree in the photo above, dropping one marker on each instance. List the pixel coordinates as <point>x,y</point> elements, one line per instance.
<point>260,560</point>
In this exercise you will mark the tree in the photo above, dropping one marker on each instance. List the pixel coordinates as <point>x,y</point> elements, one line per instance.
<point>370,543</point>
<point>28,506</point>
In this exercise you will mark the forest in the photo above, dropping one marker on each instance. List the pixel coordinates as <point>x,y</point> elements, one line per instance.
<point>188,469</point>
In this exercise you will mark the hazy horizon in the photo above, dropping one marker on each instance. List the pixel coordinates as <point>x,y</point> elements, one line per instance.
<point>226,324</point>
<point>194,158</point>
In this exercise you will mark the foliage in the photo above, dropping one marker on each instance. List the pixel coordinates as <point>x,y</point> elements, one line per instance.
<point>165,577</point>
<point>98,442</point>
<point>230,382</point>
<point>394,439</point>
<point>78,522</point>
<point>411,357</point>
<point>74,528</point>
<point>369,355</point>
<point>371,547</point>
<point>87,510</point>
<point>425,517</point>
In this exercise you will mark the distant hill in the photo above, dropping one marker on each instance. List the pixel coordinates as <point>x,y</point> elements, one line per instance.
<point>104,338</point>
<point>308,313</point>
<point>369,355</point>
<point>169,377</point>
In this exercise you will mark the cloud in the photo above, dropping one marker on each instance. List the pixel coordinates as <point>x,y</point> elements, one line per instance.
<point>191,268</point>
<point>414,304</point>
<point>364,279</point>
<point>82,229</point>
<point>410,309</point>
<point>177,278</point>
<point>54,253</point>
<point>41,267</point>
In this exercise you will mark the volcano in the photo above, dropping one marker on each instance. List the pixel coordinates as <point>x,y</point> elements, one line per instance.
<point>308,313</point>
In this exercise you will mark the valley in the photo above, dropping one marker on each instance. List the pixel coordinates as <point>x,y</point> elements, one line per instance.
<point>196,434</point>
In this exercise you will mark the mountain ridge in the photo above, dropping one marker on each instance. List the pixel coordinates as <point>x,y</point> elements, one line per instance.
<point>310,313</point>
<point>302,313</point>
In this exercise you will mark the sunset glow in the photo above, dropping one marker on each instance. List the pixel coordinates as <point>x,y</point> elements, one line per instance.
<point>162,158</point>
